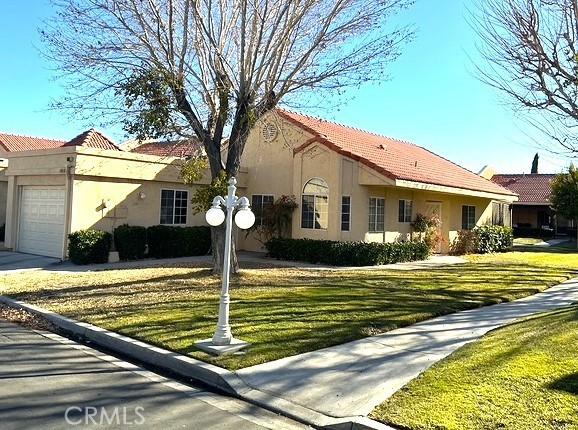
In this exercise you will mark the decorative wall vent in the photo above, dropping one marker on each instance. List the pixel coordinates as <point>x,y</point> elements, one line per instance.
<point>269,132</point>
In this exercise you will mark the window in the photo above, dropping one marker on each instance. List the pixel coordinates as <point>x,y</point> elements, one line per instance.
<point>315,204</point>
<point>376,214</point>
<point>345,213</point>
<point>468,217</point>
<point>259,203</point>
<point>405,210</point>
<point>174,206</point>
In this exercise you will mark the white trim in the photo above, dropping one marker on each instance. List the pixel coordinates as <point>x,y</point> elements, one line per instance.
<point>174,196</point>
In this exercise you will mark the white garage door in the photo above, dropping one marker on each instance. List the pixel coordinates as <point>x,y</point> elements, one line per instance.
<point>41,225</point>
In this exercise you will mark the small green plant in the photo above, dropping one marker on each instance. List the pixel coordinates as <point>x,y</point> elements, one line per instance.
<point>89,246</point>
<point>276,218</point>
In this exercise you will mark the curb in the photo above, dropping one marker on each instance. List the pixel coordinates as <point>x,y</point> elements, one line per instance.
<point>187,367</point>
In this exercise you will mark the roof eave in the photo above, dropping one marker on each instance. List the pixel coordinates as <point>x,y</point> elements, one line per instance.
<point>455,190</point>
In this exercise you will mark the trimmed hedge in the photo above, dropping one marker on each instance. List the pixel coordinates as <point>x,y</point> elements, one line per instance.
<point>483,240</point>
<point>89,246</point>
<point>130,242</point>
<point>346,253</point>
<point>167,241</point>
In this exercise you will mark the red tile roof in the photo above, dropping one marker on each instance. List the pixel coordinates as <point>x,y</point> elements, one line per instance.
<point>181,148</point>
<point>93,139</point>
<point>392,158</point>
<point>532,188</point>
<point>14,142</point>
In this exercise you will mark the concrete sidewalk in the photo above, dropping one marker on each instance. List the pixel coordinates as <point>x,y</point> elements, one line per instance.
<point>351,379</point>
<point>44,375</point>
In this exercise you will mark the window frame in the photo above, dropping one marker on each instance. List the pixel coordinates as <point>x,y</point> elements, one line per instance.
<point>343,196</point>
<point>315,197</point>
<point>259,216</point>
<point>186,207</point>
<point>373,228</point>
<point>405,218</point>
<point>466,221</point>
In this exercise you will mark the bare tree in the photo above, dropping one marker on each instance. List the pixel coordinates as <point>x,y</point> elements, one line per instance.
<point>531,51</point>
<point>207,68</point>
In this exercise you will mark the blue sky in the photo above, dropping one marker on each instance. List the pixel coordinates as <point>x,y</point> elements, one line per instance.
<point>433,98</point>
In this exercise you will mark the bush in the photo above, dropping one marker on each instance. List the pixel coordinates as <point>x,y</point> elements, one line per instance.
<point>482,240</point>
<point>346,253</point>
<point>465,243</point>
<point>89,246</point>
<point>130,242</point>
<point>493,238</point>
<point>167,242</point>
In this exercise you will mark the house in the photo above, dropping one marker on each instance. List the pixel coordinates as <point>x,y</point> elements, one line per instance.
<point>350,185</point>
<point>532,213</point>
<point>89,182</point>
<point>353,185</point>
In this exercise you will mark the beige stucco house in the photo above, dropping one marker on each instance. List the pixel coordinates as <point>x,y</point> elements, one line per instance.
<point>349,184</point>
<point>353,185</point>
<point>89,182</point>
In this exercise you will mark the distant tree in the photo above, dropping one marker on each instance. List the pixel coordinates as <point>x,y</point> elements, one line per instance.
<point>535,164</point>
<point>564,197</point>
<point>531,53</point>
<point>212,68</point>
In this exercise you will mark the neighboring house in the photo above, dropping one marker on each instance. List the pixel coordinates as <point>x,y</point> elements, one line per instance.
<point>89,182</point>
<point>532,210</point>
<point>358,186</point>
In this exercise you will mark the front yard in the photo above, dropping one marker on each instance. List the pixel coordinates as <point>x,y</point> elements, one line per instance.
<point>283,312</point>
<point>523,376</point>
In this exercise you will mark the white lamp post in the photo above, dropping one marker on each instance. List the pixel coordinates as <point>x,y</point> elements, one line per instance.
<point>223,341</point>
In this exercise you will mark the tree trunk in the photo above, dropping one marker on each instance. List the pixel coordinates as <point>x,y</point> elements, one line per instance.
<point>576,224</point>
<point>218,245</point>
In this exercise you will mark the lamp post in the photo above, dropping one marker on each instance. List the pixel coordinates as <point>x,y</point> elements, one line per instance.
<point>223,341</point>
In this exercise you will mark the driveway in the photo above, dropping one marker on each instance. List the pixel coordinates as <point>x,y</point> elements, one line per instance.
<point>53,383</point>
<point>15,261</point>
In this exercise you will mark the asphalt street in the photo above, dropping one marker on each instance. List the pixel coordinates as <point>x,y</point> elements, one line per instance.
<point>49,382</point>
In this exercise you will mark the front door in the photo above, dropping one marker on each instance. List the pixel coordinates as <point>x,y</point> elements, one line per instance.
<point>435,209</point>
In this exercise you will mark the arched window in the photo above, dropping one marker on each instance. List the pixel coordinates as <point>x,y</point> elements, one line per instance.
<point>314,204</point>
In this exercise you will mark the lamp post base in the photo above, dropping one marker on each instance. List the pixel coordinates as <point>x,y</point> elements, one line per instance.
<point>207,345</point>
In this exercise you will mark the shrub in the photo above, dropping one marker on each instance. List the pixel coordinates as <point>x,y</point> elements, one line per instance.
<point>89,246</point>
<point>465,243</point>
<point>538,233</point>
<point>130,241</point>
<point>482,240</point>
<point>493,238</point>
<point>346,253</point>
<point>167,241</point>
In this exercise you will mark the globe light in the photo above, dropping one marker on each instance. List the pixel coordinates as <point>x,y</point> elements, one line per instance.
<point>215,216</point>
<point>245,218</point>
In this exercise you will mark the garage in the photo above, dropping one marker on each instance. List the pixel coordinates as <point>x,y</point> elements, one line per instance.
<point>41,220</point>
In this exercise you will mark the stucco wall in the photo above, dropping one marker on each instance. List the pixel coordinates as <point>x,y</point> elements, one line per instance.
<point>3,192</point>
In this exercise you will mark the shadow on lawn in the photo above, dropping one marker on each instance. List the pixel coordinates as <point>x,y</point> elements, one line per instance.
<point>568,383</point>
<point>286,315</point>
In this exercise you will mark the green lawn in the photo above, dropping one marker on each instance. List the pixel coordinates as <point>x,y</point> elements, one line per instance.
<point>283,312</point>
<point>527,241</point>
<point>523,376</point>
